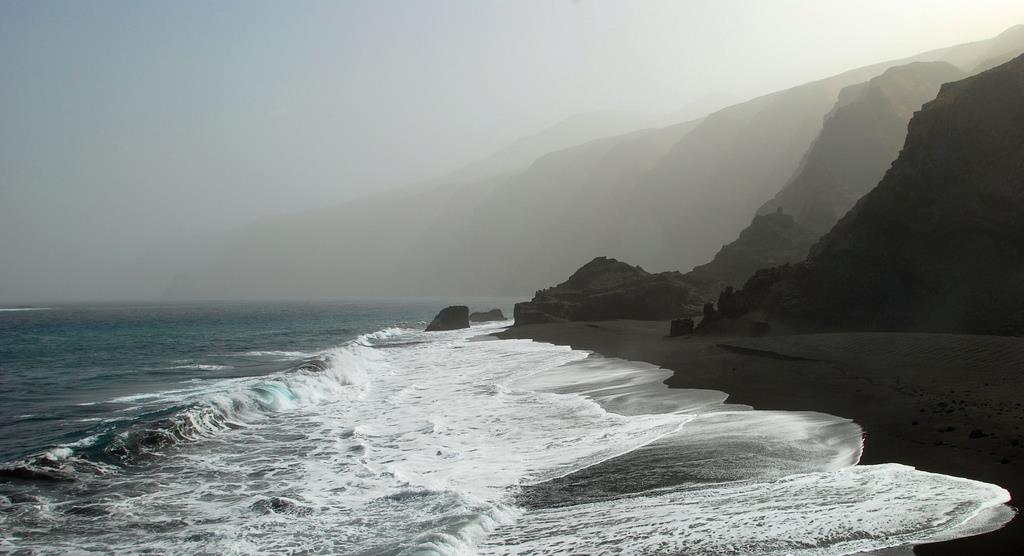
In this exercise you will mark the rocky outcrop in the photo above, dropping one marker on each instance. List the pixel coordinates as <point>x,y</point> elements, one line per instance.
<point>486,316</point>
<point>939,244</point>
<point>605,289</point>
<point>450,318</point>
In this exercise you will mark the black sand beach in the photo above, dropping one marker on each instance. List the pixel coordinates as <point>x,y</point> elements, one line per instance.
<point>942,403</point>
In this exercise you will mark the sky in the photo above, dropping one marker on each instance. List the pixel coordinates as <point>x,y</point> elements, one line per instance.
<point>127,125</point>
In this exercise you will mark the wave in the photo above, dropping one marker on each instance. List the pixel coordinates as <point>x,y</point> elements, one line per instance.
<point>466,533</point>
<point>381,335</point>
<point>280,354</point>
<point>16,309</point>
<point>229,404</point>
<point>201,367</point>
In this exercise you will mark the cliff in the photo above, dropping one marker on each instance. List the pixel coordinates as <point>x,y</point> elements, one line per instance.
<point>770,240</point>
<point>860,138</point>
<point>939,244</point>
<point>858,142</point>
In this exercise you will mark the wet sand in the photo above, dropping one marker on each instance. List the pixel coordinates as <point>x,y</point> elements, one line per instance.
<point>951,404</point>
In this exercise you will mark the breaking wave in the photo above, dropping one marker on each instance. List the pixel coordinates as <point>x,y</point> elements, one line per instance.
<point>230,404</point>
<point>202,367</point>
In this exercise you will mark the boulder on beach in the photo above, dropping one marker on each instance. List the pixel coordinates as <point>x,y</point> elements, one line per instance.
<point>486,316</point>
<point>450,318</point>
<point>606,289</point>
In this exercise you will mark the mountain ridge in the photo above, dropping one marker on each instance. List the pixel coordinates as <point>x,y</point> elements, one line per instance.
<point>634,196</point>
<point>938,246</point>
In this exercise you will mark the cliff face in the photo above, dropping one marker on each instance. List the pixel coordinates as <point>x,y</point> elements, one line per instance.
<point>860,138</point>
<point>705,190</point>
<point>939,244</point>
<point>858,142</point>
<point>606,289</point>
<point>770,240</point>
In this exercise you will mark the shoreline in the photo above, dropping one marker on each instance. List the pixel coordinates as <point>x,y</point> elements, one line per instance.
<point>945,404</point>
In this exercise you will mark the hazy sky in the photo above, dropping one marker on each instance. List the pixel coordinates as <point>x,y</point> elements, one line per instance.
<point>127,124</point>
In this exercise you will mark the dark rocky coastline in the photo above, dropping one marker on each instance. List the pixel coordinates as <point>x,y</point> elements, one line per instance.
<point>605,289</point>
<point>450,318</point>
<point>486,316</point>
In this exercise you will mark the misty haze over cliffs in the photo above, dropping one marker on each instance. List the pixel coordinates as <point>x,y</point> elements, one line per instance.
<point>665,198</point>
<point>134,166</point>
<point>859,140</point>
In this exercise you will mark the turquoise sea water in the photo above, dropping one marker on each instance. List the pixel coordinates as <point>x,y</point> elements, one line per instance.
<point>67,371</point>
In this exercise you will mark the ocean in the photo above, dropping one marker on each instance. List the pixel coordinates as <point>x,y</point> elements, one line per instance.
<point>343,428</point>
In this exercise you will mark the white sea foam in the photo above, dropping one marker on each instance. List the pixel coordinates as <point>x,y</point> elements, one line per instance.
<point>281,355</point>
<point>418,449</point>
<point>846,511</point>
<point>383,335</point>
<point>202,367</point>
<point>166,395</point>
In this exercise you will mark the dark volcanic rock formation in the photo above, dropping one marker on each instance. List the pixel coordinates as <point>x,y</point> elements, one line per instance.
<point>605,289</point>
<point>486,316</point>
<point>450,318</point>
<point>939,244</point>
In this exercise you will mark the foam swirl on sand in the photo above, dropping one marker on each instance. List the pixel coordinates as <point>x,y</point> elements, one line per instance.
<point>851,510</point>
